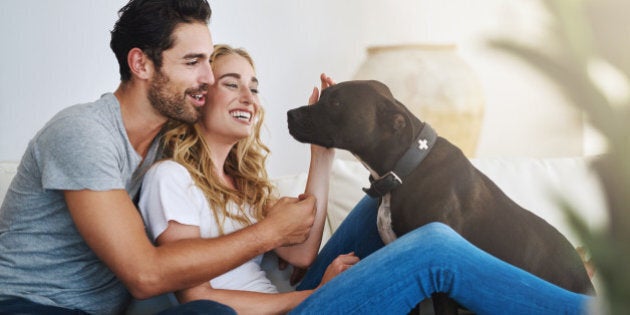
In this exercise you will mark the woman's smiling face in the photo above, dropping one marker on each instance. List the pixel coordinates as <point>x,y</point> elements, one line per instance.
<point>232,101</point>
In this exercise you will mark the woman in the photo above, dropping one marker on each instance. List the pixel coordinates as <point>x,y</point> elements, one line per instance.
<point>215,182</point>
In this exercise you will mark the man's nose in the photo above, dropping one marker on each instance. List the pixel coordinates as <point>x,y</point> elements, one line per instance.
<point>207,76</point>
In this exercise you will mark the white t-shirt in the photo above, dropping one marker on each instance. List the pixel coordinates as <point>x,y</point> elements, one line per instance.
<point>169,194</point>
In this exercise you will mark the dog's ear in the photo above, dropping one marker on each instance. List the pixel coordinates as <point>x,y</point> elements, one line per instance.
<point>380,88</point>
<point>392,119</point>
<point>399,122</point>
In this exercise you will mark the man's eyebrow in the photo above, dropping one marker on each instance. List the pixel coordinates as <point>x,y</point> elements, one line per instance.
<point>195,56</point>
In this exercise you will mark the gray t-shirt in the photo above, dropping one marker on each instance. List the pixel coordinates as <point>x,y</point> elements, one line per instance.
<point>42,256</point>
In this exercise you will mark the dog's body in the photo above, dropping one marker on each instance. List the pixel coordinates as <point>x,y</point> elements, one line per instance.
<point>364,118</point>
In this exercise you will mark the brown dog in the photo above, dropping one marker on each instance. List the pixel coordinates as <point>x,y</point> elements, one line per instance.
<point>423,178</point>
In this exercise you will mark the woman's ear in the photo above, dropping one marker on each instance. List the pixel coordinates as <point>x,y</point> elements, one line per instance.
<point>140,64</point>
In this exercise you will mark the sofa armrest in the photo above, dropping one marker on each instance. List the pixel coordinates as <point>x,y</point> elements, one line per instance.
<point>7,172</point>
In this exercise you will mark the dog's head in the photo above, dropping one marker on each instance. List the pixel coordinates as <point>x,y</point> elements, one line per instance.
<point>359,116</point>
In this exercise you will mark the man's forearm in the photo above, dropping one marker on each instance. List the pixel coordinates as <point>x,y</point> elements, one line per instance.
<point>186,263</point>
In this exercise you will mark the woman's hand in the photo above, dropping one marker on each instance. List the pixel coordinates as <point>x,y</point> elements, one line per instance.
<point>339,265</point>
<point>316,150</point>
<point>317,184</point>
<point>326,82</point>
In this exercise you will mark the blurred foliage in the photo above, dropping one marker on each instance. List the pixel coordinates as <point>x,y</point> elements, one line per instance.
<point>590,48</point>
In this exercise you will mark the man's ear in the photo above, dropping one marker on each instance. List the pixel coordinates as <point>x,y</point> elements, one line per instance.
<point>140,64</point>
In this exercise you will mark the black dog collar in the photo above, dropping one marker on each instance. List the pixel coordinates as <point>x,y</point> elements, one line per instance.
<point>408,162</point>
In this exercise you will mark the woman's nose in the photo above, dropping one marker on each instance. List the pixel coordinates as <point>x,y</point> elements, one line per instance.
<point>247,96</point>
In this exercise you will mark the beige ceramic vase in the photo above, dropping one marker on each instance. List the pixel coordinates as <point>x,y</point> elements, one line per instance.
<point>436,84</point>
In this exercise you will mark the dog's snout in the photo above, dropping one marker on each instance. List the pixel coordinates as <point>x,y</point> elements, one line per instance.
<point>293,115</point>
<point>295,121</point>
<point>297,116</point>
<point>307,127</point>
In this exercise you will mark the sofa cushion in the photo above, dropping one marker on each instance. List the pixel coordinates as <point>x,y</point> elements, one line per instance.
<point>7,171</point>
<point>534,183</point>
<point>540,184</point>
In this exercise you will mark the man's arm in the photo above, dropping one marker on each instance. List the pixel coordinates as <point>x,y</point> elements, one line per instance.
<point>113,228</point>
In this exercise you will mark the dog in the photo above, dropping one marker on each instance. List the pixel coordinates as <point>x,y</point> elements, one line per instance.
<point>422,178</point>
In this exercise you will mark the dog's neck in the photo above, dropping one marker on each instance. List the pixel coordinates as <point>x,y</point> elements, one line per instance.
<point>381,184</point>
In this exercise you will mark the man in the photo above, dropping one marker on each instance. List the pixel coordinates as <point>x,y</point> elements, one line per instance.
<point>71,238</point>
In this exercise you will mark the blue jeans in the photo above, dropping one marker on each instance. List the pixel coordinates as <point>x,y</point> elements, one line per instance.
<point>434,258</point>
<point>25,307</point>
<point>199,307</point>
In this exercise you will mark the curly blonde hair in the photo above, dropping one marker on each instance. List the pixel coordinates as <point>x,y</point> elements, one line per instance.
<point>245,163</point>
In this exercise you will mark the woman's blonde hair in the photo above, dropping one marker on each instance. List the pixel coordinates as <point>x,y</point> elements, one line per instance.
<point>245,163</point>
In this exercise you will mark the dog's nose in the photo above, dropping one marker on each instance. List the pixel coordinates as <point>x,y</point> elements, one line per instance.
<point>296,122</point>
<point>291,117</point>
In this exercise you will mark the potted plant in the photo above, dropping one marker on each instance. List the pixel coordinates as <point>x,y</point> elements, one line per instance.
<point>592,46</point>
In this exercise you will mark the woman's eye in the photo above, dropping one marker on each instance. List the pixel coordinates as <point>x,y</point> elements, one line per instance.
<point>231,85</point>
<point>254,91</point>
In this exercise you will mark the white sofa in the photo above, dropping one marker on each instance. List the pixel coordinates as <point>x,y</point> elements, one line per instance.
<point>534,183</point>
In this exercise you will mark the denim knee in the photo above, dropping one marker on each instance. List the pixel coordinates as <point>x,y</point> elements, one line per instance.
<point>433,237</point>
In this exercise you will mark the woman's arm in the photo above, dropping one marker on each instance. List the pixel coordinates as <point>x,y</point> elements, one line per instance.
<point>317,184</point>
<point>244,302</point>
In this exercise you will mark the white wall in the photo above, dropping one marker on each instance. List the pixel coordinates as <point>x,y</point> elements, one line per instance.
<point>55,54</point>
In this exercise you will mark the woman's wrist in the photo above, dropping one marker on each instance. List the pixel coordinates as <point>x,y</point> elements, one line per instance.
<point>322,154</point>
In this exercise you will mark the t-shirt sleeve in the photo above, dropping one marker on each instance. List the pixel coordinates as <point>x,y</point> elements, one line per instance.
<point>77,153</point>
<point>169,194</point>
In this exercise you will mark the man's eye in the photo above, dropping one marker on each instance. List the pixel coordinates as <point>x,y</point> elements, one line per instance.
<point>191,62</point>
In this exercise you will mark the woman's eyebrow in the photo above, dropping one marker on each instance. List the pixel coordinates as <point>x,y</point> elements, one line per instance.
<point>236,76</point>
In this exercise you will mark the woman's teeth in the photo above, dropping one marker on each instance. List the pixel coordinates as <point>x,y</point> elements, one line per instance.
<point>242,115</point>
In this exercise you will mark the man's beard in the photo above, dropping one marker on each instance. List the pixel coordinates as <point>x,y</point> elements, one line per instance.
<point>170,104</point>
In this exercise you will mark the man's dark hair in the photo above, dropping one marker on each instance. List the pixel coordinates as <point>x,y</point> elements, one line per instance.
<point>149,25</point>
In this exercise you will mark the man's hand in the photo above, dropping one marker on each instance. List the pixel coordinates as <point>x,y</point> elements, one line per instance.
<point>291,219</point>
